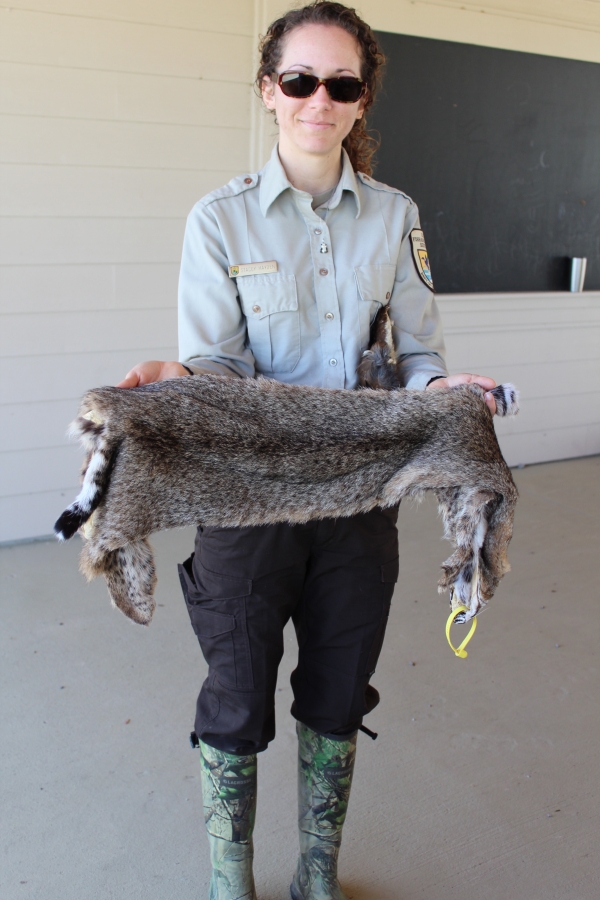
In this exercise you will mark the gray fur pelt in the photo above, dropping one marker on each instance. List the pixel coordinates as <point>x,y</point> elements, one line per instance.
<point>233,452</point>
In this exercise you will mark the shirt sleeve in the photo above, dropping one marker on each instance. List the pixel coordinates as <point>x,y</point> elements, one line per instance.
<point>212,326</point>
<point>417,330</point>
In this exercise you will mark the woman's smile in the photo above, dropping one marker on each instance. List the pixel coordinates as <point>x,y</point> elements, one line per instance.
<point>317,126</point>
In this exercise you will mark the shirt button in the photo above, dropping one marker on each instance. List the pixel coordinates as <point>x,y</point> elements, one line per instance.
<point>318,231</point>
<point>256,308</point>
<point>323,271</point>
<point>329,315</point>
<point>388,295</point>
<point>333,362</point>
<point>247,181</point>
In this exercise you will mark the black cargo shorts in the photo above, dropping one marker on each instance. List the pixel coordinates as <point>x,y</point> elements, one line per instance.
<point>335,579</point>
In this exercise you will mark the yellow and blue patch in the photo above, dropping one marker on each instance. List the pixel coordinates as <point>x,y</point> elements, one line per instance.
<point>421,257</point>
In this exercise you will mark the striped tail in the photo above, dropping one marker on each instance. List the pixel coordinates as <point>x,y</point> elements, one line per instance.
<point>507,399</point>
<point>91,431</point>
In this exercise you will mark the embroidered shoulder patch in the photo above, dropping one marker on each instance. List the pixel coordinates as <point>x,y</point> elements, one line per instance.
<point>421,257</point>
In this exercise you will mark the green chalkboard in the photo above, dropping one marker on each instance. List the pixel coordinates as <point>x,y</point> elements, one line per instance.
<point>501,152</point>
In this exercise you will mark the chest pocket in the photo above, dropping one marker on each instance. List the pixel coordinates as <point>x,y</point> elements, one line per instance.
<point>375,285</point>
<point>270,304</point>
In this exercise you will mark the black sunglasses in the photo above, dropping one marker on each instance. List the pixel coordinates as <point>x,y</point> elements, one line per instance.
<point>300,85</point>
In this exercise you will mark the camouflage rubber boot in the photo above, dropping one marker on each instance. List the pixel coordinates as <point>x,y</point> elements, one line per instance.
<point>229,792</point>
<point>324,779</point>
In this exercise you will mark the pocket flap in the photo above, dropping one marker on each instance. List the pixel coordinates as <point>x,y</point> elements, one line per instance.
<point>263,295</point>
<point>220,587</point>
<point>375,282</point>
<point>211,624</point>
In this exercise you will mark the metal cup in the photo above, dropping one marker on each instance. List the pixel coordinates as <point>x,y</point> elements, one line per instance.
<point>578,266</point>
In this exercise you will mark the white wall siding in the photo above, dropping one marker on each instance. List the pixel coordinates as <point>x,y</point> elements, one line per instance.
<point>546,344</point>
<point>50,376</point>
<point>568,28</point>
<point>114,119</point>
<point>90,42</point>
<point>61,288</point>
<point>224,17</point>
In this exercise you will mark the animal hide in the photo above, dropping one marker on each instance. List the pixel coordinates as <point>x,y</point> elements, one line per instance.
<point>233,452</point>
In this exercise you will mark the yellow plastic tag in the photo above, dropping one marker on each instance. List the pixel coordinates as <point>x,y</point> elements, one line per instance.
<point>459,651</point>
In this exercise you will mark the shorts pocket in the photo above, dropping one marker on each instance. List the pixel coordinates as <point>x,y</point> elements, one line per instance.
<point>216,606</point>
<point>270,304</point>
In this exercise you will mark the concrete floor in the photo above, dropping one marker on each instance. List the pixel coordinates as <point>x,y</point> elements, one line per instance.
<point>483,783</point>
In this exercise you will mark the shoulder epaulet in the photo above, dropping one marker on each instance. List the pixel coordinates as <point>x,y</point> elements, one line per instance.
<point>380,186</point>
<point>236,186</point>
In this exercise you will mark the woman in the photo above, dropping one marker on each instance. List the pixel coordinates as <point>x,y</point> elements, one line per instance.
<point>282,273</point>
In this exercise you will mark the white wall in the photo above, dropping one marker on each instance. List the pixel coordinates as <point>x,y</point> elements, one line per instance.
<point>549,346</point>
<point>568,28</point>
<point>116,116</point>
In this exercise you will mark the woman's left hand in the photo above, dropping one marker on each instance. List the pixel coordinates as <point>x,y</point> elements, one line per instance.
<point>453,380</point>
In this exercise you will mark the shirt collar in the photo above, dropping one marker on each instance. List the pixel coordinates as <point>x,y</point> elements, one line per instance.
<point>274,182</point>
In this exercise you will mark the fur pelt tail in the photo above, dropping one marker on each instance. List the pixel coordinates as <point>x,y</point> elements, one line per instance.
<point>507,399</point>
<point>91,431</point>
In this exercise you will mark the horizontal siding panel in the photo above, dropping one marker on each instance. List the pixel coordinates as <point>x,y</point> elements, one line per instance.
<point>75,241</point>
<point>548,379</point>
<point>41,38</point>
<point>70,375</point>
<point>515,300</point>
<point>32,515</point>
<point>91,332</point>
<point>30,289</point>
<point>27,426</point>
<point>44,469</point>
<point>498,348</point>
<point>506,314</point>
<point>545,446</point>
<point>574,12</point>
<point>86,94</point>
<point>548,346</point>
<point>157,283</point>
<point>133,144</point>
<point>235,13</point>
<point>184,101</point>
<point>83,191</point>
<point>228,16</point>
<point>29,90</point>
<point>547,413</point>
<point>466,24</point>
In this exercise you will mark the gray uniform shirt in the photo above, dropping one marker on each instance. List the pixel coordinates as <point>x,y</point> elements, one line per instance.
<point>308,322</point>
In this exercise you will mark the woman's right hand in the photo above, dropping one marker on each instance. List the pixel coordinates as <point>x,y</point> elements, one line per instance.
<point>153,370</point>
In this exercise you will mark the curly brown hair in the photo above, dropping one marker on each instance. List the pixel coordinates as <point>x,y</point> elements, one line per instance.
<point>359,144</point>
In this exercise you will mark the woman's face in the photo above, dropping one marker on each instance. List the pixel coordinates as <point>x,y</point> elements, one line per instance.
<point>317,124</point>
